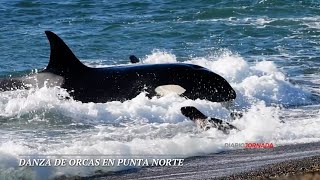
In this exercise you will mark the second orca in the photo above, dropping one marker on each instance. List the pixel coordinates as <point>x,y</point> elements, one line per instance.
<point>204,122</point>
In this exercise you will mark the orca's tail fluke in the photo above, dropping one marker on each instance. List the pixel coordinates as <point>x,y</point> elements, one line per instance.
<point>62,60</point>
<point>192,113</point>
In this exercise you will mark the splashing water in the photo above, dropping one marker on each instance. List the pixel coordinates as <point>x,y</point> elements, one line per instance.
<point>37,124</point>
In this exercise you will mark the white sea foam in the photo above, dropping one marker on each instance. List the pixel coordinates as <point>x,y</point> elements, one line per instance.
<point>144,127</point>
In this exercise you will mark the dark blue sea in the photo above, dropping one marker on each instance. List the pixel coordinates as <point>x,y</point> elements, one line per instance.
<point>268,50</point>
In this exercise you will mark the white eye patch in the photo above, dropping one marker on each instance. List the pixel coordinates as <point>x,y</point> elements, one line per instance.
<point>168,89</point>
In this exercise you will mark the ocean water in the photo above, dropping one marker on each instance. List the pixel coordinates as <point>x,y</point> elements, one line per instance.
<point>267,50</point>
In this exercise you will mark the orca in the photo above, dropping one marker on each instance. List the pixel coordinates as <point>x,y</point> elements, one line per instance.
<point>204,122</point>
<point>134,59</point>
<point>120,83</point>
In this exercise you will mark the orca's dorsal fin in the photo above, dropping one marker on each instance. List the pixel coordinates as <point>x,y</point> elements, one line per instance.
<point>134,59</point>
<point>62,60</point>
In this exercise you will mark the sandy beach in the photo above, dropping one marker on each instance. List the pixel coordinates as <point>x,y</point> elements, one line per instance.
<point>306,168</point>
<point>284,162</point>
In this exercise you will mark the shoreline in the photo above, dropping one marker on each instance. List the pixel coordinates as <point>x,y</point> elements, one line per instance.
<point>308,167</point>
<point>279,162</point>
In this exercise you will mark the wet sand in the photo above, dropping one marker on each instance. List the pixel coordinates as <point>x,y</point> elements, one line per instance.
<point>306,168</point>
<point>283,162</point>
